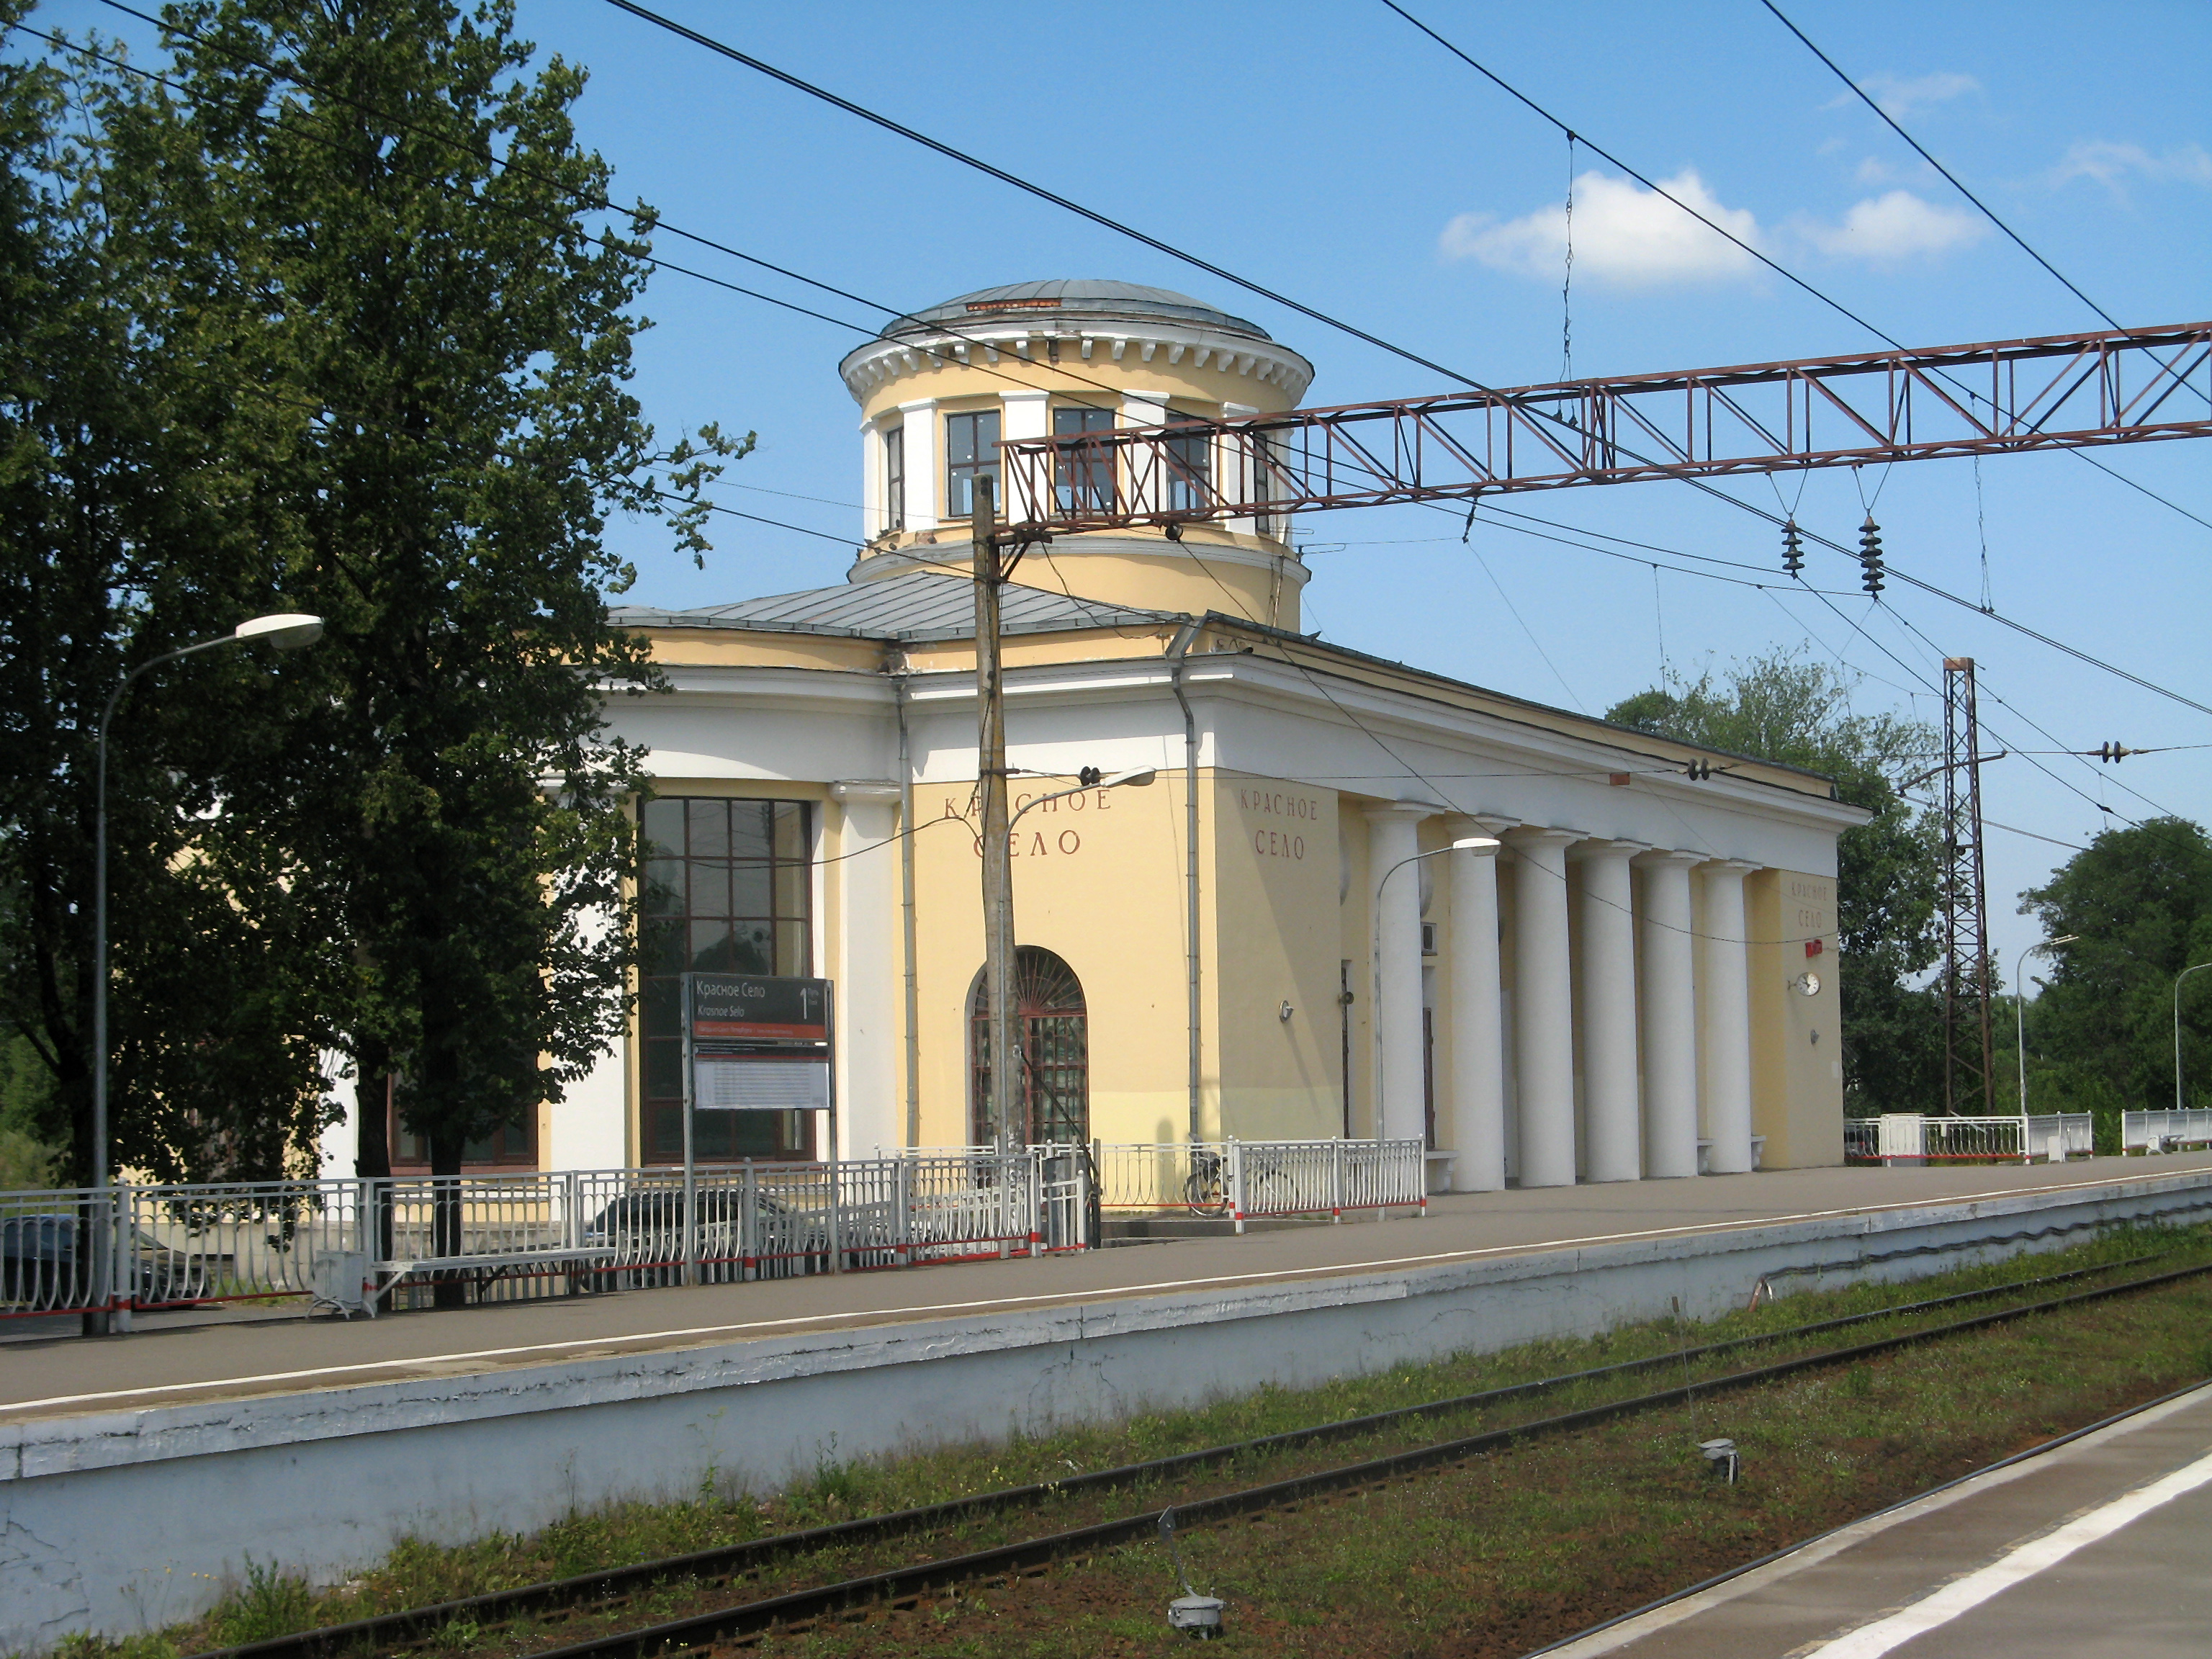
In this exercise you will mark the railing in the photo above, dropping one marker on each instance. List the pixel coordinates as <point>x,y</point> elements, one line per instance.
<point>1244,1179</point>
<point>2053,1137</point>
<point>1862,1138</point>
<point>358,1244</point>
<point>2163,1131</point>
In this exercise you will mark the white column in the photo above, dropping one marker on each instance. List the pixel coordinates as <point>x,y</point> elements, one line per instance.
<point>1396,898</point>
<point>1543,1008</point>
<point>1670,1018</point>
<point>1726,978</point>
<point>867,987</point>
<point>1476,1099</point>
<point>924,483</point>
<point>1612,1113</point>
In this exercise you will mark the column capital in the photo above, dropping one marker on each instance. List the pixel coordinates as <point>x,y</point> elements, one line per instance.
<point>1729,866</point>
<point>1667,858</point>
<point>1489,824</point>
<point>1599,847</point>
<point>1537,835</point>
<point>1400,809</point>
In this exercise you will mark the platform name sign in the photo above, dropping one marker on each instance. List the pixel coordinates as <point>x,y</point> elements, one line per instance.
<point>748,1008</point>
<point>759,1042</point>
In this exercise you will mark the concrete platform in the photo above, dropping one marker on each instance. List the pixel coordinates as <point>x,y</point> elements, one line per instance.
<point>138,1472</point>
<point>2098,1548</point>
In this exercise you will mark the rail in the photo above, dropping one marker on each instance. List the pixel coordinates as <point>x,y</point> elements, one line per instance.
<point>363,1244</point>
<point>2052,1137</point>
<point>2164,1131</point>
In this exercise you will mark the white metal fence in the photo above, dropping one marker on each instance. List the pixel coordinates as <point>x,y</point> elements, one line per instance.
<point>2158,1132</point>
<point>355,1245</point>
<point>2052,1137</point>
<point>1246,1179</point>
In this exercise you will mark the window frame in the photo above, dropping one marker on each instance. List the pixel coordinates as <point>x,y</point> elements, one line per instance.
<point>719,873</point>
<point>1196,454</point>
<point>960,476</point>
<point>1098,481</point>
<point>894,441</point>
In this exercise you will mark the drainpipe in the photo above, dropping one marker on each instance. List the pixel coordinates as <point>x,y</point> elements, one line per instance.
<point>902,695</point>
<point>1177,654</point>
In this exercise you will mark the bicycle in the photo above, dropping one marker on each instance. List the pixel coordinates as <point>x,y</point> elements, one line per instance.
<point>1205,1189</point>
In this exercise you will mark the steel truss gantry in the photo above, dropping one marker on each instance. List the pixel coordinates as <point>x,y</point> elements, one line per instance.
<point>2056,391</point>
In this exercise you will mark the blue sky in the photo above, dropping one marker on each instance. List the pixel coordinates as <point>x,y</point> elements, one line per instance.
<point>1332,153</point>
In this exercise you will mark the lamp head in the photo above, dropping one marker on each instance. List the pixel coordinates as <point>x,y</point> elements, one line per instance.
<point>1475,844</point>
<point>287,630</point>
<point>1136,778</point>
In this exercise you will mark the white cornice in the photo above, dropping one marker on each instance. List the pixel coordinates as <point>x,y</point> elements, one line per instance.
<point>871,366</point>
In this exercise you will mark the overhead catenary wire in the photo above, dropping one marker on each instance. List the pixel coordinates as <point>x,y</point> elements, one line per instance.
<point>708,43</point>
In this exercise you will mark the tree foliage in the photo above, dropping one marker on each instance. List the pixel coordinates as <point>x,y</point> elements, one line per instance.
<point>1791,708</point>
<point>324,319</point>
<point>126,531</point>
<point>2141,901</point>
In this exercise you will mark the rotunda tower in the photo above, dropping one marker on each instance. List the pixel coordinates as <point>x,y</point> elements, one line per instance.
<point>937,390</point>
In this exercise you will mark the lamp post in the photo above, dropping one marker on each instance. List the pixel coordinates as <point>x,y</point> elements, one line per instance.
<point>2019,1026</point>
<point>2178,978</point>
<point>287,631</point>
<point>1091,778</point>
<point>1464,844</point>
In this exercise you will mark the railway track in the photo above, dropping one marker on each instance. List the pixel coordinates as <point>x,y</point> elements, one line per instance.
<point>904,1585</point>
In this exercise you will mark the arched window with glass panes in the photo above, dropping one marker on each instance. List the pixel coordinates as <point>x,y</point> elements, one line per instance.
<point>728,888</point>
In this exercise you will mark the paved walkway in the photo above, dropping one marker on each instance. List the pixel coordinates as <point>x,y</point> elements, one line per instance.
<point>65,1375</point>
<point>2099,1548</point>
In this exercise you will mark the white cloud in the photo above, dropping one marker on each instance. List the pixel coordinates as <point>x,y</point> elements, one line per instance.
<point>1623,234</point>
<point>1894,226</point>
<point>2111,164</point>
<point>1901,97</point>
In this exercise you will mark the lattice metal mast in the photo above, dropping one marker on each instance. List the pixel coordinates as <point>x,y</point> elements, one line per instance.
<point>2056,391</point>
<point>1969,1078</point>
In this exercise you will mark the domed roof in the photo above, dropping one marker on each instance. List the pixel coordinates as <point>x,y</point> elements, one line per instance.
<point>1072,298</point>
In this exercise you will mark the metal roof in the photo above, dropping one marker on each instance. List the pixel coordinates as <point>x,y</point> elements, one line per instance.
<point>914,605</point>
<point>1072,297</point>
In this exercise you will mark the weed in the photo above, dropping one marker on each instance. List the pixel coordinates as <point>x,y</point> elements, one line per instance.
<point>273,1602</point>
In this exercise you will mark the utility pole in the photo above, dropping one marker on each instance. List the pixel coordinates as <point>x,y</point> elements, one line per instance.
<point>1002,1048</point>
<point>1968,1074</point>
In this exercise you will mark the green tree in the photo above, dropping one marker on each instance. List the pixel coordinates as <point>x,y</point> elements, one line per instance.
<point>125,530</point>
<point>2141,900</point>
<point>1790,707</point>
<point>406,218</point>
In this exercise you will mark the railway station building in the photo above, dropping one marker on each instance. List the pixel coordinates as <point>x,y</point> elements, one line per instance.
<point>1629,973</point>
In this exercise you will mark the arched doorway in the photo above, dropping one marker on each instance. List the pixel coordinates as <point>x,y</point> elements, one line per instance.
<point>1053,1034</point>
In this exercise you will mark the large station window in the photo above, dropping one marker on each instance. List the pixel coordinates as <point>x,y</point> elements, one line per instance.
<point>1084,481</point>
<point>971,451</point>
<point>728,889</point>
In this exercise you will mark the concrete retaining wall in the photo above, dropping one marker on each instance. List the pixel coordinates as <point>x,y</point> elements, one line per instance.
<point>122,1521</point>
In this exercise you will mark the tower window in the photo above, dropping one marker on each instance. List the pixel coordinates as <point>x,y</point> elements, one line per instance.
<point>1190,467</point>
<point>1085,479</point>
<point>895,477</point>
<point>971,451</point>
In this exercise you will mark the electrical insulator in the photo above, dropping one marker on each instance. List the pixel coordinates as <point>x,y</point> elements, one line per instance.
<point>1793,548</point>
<point>2114,752</point>
<point>1699,771</point>
<point>1870,555</point>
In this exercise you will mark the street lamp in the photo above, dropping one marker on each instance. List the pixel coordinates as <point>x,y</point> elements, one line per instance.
<point>287,630</point>
<point>1464,844</point>
<point>2178,978</point>
<point>1137,777</point>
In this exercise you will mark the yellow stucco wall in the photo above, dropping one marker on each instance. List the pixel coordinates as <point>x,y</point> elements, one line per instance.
<point>1796,1050</point>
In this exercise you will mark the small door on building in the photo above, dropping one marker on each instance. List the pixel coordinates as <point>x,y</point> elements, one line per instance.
<point>1053,1030</point>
